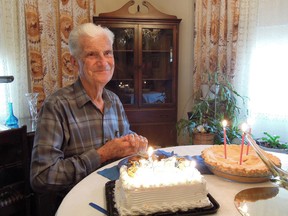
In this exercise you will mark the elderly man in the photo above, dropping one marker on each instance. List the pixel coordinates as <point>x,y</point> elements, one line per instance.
<point>83,125</point>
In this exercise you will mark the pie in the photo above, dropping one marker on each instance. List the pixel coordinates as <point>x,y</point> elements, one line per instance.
<point>251,166</point>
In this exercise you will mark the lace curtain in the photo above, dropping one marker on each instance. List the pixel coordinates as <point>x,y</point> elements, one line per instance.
<point>13,60</point>
<point>262,72</point>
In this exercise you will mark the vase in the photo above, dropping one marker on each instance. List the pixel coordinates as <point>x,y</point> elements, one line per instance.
<point>32,99</point>
<point>205,91</point>
<point>213,91</point>
<point>12,120</point>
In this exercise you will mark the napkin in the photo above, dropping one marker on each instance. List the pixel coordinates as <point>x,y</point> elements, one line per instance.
<point>200,165</point>
<point>162,152</point>
<point>111,173</point>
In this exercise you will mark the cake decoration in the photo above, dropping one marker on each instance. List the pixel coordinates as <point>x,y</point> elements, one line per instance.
<point>156,183</point>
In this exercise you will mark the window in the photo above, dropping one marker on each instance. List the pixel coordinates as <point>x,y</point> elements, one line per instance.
<point>267,74</point>
<point>13,59</point>
<point>3,98</point>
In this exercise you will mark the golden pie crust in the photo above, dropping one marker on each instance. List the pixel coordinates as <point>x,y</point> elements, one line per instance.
<point>252,165</point>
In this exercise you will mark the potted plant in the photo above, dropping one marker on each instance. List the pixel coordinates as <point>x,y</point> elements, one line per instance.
<point>209,112</point>
<point>272,143</point>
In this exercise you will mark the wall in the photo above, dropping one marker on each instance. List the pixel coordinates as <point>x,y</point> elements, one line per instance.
<point>183,9</point>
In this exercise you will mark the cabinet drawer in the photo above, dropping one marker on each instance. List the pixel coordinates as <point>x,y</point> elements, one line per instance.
<point>145,116</point>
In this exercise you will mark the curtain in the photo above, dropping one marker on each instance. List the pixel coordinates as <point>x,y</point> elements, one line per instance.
<point>216,34</point>
<point>48,25</point>
<point>34,48</point>
<point>13,59</point>
<point>262,72</point>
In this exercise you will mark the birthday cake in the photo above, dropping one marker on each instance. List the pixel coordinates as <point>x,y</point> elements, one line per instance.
<point>251,165</point>
<point>171,184</point>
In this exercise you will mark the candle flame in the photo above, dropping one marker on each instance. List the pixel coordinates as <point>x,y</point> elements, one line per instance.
<point>244,127</point>
<point>224,123</point>
<point>244,208</point>
<point>250,121</point>
<point>193,163</point>
<point>150,151</point>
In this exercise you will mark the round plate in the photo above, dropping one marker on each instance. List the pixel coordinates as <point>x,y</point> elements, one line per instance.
<point>264,201</point>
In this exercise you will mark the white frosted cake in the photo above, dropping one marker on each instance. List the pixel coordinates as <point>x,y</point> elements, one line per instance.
<point>148,186</point>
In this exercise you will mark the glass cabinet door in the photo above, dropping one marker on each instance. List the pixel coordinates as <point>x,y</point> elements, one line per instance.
<point>157,66</point>
<point>145,78</point>
<point>122,82</point>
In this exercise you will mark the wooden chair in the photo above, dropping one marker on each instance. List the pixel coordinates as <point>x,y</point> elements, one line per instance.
<point>15,193</point>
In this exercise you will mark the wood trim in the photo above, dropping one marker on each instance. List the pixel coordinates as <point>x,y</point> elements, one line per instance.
<point>123,12</point>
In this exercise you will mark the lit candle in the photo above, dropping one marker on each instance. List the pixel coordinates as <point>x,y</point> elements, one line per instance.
<point>224,123</point>
<point>193,165</point>
<point>150,153</point>
<point>244,128</point>
<point>244,209</point>
<point>249,121</point>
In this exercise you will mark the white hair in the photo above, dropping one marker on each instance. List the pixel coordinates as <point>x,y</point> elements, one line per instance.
<point>86,29</point>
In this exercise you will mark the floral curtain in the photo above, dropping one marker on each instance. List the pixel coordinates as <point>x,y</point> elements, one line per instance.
<point>48,24</point>
<point>216,33</point>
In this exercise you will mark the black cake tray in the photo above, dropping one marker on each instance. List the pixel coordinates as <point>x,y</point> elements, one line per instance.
<point>112,211</point>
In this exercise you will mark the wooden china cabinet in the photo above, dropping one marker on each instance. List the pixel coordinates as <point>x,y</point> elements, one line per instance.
<point>146,64</point>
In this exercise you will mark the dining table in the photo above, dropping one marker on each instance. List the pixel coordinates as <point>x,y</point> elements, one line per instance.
<point>92,187</point>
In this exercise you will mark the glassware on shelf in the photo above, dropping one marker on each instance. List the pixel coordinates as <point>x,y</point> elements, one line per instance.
<point>12,120</point>
<point>32,99</point>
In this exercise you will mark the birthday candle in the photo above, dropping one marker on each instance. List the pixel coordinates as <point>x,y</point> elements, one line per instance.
<point>150,153</point>
<point>247,151</point>
<point>244,128</point>
<point>250,122</point>
<point>224,123</point>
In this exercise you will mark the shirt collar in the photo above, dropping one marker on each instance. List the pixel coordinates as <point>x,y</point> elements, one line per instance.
<point>82,98</point>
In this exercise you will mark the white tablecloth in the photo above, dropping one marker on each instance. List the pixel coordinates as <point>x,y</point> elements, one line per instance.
<point>92,189</point>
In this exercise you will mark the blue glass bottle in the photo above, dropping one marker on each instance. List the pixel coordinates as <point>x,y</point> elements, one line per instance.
<point>12,121</point>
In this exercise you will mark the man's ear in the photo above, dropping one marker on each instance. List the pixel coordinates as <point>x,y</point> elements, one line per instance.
<point>73,61</point>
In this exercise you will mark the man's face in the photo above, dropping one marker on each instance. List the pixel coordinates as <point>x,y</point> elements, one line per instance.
<point>96,63</point>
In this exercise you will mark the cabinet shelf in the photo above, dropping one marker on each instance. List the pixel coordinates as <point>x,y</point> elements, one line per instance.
<point>156,51</point>
<point>157,79</point>
<point>10,165</point>
<point>123,51</point>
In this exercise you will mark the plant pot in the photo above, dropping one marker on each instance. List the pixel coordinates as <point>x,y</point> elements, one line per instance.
<point>266,147</point>
<point>203,138</point>
<point>283,151</point>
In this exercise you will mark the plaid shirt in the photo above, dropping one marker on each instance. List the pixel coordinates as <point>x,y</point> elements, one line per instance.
<point>69,129</point>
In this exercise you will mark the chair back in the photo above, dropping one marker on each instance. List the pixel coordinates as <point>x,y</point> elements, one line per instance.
<point>15,190</point>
